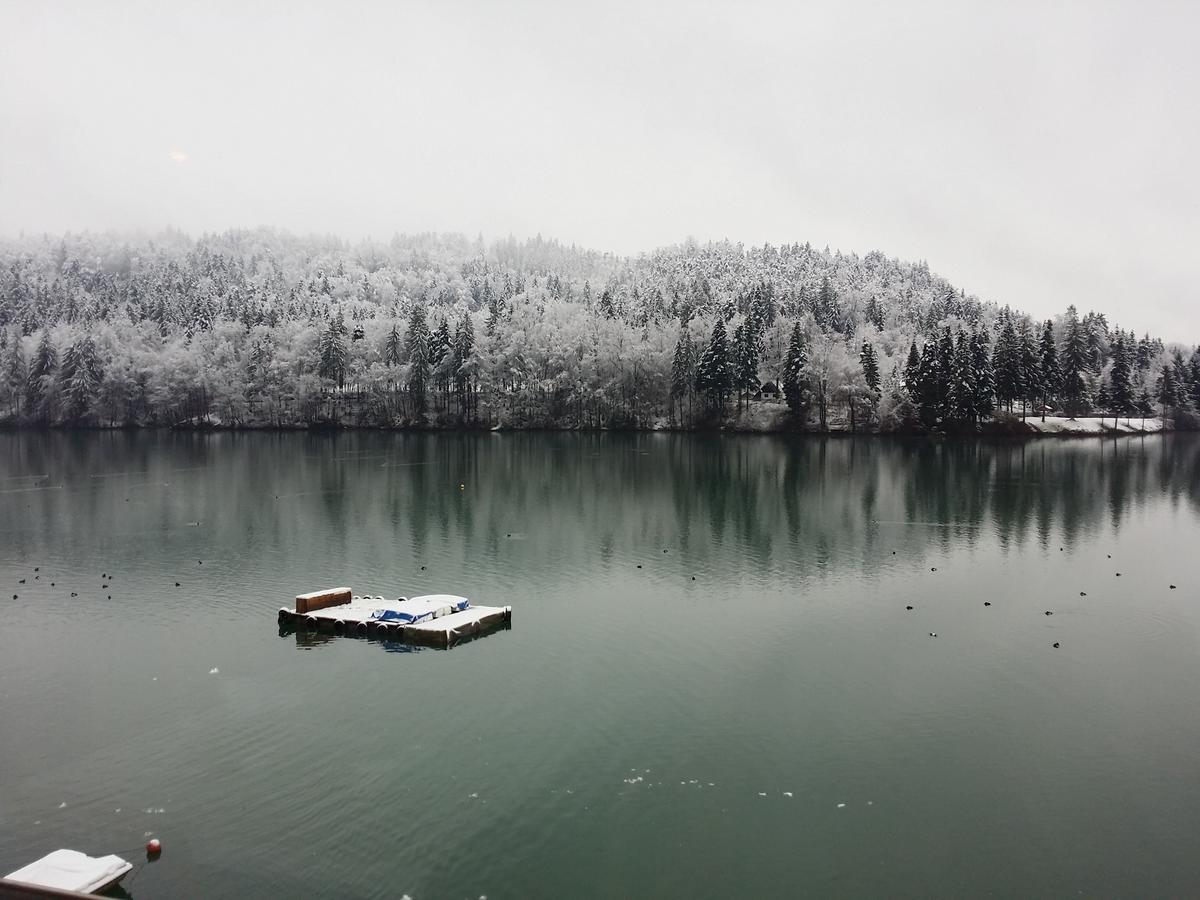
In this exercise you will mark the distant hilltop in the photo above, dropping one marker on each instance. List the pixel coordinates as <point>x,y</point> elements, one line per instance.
<point>262,328</point>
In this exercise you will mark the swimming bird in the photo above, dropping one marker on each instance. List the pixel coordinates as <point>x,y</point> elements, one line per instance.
<point>22,581</point>
<point>73,594</point>
<point>36,568</point>
<point>639,565</point>
<point>1083,593</point>
<point>987,602</point>
<point>1172,587</point>
<point>1056,645</point>
<point>177,584</point>
<point>1049,613</point>
<point>933,568</point>
<point>933,634</point>
<point>908,607</point>
<point>1118,574</point>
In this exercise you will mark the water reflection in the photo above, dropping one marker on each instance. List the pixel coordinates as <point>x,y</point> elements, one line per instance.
<point>307,639</point>
<point>760,502</point>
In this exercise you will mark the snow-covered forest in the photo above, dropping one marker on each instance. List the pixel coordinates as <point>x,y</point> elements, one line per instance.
<point>263,328</point>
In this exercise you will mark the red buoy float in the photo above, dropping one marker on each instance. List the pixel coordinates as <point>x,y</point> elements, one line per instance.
<point>153,847</point>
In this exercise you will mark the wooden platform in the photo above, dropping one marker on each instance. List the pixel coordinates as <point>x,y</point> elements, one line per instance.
<point>436,620</point>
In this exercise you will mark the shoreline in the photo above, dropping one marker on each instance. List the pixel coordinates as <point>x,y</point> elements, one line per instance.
<point>1088,428</point>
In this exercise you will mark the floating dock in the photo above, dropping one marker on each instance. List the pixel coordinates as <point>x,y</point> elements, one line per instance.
<point>438,620</point>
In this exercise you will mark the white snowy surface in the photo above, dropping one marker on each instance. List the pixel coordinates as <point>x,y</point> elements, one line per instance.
<point>450,624</point>
<point>361,609</point>
<point>1095,424</point>
<point>70,870</point>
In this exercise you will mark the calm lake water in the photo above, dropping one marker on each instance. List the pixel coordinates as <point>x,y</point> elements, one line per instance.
<point>711,686</point>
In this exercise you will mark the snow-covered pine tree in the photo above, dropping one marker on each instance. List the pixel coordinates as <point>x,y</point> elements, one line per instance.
<point>1121,390</point>
<point>39,384</point>
<point>960,399</point>
<point>681,368</point>
<point>14,374</point>
<point>79,390</point>
<point>985,383</point>
<point>745,361</point>
<point>1031,368</point>
<point>1073,361</point>
<point>464,350</point>
<point>1006,361</point>
<point>912,374</point>
<point>333,355</point>
<point>1051,376</point>
<point>794,368</point>
<point>1194,378</point>
<point>714,373</point>
<point>870,366</point>
<point>1168,390</point>
<point>417,347</point>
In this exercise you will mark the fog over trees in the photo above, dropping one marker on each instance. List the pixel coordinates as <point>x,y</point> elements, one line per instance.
<point>264,328</point>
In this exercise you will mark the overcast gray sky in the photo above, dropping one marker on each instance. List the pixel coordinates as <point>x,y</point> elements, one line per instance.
<point>1036,154</point>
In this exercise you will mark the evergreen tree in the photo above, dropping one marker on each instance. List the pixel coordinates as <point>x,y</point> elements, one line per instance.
<point>417,346</point>
<point>1007,364</point>
<point>439,353</point>
<point>40,383</point>
<point>439,343</point>
<point>333,355</point>
<point>1168,390</point>
<point>745,370</point>
<point>392,346</point>
<point>1121,389</point>
<point>794,369</point>
<point>1031,368</point>
<point>930,381</point>
<point>1074,362</point>
<point>80,379</point>
<point>912,374</point>
<point>1194,378</point>
<point>962,384</point>
<point>981,367</point>
<point>714,374</point>
<point>14,374</point>
<point>1145,404</point>
<point>464,348</point>
<point>681,368</point>
<point>870,366</point>
<point>1051,376</point>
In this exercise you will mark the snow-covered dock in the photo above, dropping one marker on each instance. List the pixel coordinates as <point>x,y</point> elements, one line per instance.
<point>434,619</point>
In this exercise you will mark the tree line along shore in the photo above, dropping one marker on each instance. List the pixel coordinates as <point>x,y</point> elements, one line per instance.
<point>262,329</point>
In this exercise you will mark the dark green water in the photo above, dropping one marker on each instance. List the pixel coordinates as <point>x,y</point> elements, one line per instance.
<point>637,732</point>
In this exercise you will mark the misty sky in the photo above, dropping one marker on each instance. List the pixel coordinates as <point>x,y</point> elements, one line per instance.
<point>1037,154</point>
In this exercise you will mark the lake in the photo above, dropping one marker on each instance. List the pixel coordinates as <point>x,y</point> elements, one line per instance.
<point>711,686</point>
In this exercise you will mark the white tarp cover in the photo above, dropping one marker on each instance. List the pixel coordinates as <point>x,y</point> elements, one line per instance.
<point>420,609</point>
<point>70,870</point>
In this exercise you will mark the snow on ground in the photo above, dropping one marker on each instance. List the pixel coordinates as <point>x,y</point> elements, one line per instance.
<point>1095,424</point>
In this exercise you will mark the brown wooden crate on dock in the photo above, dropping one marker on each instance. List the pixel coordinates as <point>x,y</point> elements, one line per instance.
<point>306,603</point>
